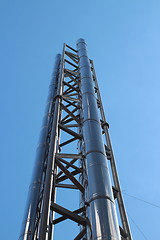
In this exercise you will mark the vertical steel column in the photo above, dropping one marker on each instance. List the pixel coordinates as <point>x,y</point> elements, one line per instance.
<point>101,207</point>
<point>48,185</point>
<point>32,213</point>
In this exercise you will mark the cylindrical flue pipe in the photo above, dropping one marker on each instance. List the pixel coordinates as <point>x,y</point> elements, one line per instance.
<point>101,210</point>
<point>34,195</point>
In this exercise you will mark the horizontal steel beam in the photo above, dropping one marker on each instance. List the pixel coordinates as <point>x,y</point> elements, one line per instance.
<point>71,186</point>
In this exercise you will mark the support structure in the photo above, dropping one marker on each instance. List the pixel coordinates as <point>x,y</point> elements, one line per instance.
<point>73,155</point>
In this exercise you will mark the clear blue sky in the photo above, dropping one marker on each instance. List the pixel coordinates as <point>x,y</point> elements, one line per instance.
<point>123,39</point>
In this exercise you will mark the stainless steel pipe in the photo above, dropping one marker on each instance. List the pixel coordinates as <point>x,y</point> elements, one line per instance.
<point>30,217</point>
<point>99,196</point>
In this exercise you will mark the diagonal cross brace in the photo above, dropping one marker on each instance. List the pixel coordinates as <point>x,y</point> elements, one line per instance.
<point>70,176</point>
<point>71,103</point>
<point>63,178</point>
<point>60,173</point>
<point>69,164</point>
<point>69,131</point>
<point>67,116</point>
<point>72,56</point>
<point>76,89</point>
<point>67,142</point>
<point>60,219</point>
<point>81,234</point>
<point>70,113</point>
<point>68,214</point>
<point>73,65</point>
<point>72,50</point>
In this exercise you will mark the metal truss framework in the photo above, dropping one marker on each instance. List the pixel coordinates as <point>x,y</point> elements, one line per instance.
<point>63,128</point>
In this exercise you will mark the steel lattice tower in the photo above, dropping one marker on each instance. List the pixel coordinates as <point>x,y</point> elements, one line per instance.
<point>75,154</point>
